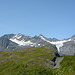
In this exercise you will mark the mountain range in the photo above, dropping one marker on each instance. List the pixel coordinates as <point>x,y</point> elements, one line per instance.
<point>20,41</point>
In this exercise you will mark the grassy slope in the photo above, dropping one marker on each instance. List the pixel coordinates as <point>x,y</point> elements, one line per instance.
<point>34,61</point>
<point>12,62</point>
<point>67,66</point>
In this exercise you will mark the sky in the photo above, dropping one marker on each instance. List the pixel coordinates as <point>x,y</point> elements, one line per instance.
<point>51,18</point>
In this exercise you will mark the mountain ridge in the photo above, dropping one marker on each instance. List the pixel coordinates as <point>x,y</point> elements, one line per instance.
<point>20,41</point>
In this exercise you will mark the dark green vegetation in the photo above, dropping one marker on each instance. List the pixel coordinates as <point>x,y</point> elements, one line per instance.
<point>35,61</point>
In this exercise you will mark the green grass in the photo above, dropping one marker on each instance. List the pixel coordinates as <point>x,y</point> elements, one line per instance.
<point>67,65</point>
<point>13,62</point>
<point>34,61</point>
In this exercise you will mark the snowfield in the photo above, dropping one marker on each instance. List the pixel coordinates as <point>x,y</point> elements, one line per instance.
<point>22,42</point>
<point>57,43</point>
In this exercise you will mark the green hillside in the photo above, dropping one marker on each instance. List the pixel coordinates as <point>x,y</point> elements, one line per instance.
<point>67,66</point>
<point>35,61</point>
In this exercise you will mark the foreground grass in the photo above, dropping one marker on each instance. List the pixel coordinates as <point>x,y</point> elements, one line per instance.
<point>35,61</point>
<point>67,66</point>
<point>26,60</point>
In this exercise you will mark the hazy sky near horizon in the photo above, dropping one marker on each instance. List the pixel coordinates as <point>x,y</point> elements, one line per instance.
<point>51,18</point>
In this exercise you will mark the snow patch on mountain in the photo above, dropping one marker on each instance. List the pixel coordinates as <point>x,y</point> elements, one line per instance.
<point>57,43</point>
<point>22,42</point>
<point>38,44</point>
<point>44,39</point>
<point>17,36</point>
<point>60,43</point>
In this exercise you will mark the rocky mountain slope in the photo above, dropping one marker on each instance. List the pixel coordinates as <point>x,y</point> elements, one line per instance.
<point>20,41</point>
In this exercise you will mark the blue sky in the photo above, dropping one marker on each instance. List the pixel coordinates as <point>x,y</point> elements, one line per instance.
<point>52,18</point>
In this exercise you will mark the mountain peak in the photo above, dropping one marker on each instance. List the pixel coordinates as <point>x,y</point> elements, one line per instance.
<point>19,34</point>
<point>40,35</point>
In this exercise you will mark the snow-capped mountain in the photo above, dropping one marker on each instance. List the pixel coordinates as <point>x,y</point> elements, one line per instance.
<point>66,46</point>
<point>19,41</point>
